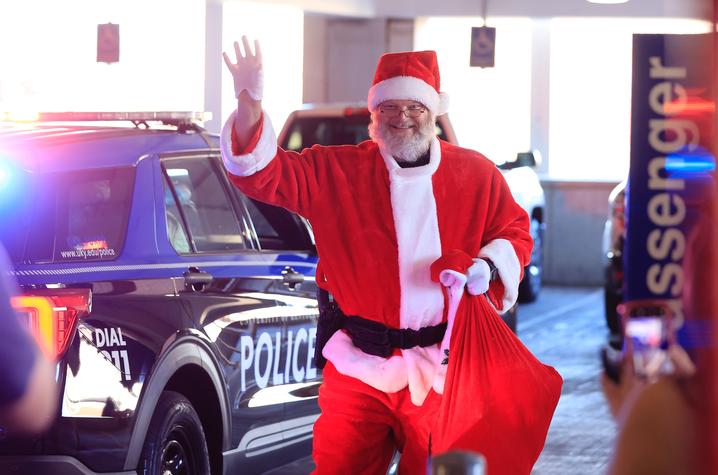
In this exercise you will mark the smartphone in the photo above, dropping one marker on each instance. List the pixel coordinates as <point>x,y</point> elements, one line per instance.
<point>646,343</point>
<point>647,333</point>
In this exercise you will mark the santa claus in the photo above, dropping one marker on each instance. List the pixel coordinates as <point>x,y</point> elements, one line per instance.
<point>382,212</point>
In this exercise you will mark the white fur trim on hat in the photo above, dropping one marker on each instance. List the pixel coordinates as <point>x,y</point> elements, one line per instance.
<point>408,88</point>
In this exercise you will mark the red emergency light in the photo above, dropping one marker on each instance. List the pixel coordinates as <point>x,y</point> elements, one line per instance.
<point>51,316</point>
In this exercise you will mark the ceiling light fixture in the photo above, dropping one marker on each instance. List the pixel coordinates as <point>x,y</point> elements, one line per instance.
<point>608,1</point>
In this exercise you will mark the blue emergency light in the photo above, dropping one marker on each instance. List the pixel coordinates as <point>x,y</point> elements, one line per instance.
<point>4,177</point>
<point>702,162</point>
<point>12,182</point>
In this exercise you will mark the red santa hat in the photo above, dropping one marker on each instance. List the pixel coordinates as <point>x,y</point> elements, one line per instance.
<point>411,75</point>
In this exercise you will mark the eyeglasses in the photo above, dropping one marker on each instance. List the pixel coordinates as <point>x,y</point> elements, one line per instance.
<point>392,110</point>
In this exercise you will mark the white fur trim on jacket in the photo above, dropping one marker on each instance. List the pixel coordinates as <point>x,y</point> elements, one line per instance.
<point>385,374</point>
<point>504,257</point>
<point>408,88</point>
<point>248,163</point>
<point>454,283</point>
<point>422,365</point>
<point>417,238</point>
<point>421,301</point>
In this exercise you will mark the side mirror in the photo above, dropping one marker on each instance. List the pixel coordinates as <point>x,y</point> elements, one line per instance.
<point>526,159</point>
<point>523,159</point>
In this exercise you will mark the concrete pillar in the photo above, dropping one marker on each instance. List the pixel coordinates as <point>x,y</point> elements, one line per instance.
<point>540,87</point>
<point>213,64</point>
<point>316,45</point>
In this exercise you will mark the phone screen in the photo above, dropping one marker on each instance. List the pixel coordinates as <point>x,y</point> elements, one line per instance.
<point>646,338</point>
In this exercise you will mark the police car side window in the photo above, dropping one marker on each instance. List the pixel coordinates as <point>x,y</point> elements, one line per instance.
<point>204,208</point>
<point>277,229</point>
<point>176,231</point>
<point>79,215</point>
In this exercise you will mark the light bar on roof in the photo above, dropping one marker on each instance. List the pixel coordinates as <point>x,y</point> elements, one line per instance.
<point>18,116</point>
<point>139,116</point>
<point>163,116</point>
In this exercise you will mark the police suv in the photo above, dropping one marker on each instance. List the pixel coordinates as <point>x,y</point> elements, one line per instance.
<point>181,313</point>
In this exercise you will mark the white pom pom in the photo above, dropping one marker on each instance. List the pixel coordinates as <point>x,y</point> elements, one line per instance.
<point>443,103</point>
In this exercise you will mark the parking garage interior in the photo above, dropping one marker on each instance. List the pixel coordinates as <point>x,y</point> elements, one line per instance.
<point>561,87</point>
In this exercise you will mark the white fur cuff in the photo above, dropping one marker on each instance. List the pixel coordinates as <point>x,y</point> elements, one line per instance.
<point>252,162</point>
<point>385,374</point>
<point>502,254</point>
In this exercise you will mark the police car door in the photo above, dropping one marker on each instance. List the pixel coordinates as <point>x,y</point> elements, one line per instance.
<point>286,241</point>
<point>227,292</point>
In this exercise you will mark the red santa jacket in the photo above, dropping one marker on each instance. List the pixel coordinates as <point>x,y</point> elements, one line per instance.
<point>378,227</point>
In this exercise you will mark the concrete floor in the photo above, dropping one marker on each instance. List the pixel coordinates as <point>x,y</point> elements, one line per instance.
<point>565,328</point>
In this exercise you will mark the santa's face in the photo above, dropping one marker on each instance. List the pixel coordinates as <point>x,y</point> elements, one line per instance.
<point>404,128</point>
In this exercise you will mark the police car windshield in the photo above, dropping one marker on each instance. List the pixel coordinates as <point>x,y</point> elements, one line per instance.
<point>337,130</point>
<point>72,216</point>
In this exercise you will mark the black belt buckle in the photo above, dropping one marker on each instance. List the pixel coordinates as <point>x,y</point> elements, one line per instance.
<point>426,337</point>
<point>409,338</point>
<point>406,338</point>
<point>369,336</point>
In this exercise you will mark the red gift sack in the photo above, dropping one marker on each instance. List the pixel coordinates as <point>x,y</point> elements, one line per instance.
<point>498,399</point>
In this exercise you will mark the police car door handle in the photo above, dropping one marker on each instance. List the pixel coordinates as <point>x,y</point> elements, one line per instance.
<point>291,278</point>
<point>196,279</point>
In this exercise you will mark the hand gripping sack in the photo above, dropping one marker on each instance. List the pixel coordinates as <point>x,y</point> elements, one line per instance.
<point>498,399</point>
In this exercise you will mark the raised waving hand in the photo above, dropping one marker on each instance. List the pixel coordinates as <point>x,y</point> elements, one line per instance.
<point>247,70</point>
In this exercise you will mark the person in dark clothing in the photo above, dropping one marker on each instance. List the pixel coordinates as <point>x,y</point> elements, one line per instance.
<point>28,392</point>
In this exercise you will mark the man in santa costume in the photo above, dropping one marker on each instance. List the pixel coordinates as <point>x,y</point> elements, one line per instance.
<point>382,212</point>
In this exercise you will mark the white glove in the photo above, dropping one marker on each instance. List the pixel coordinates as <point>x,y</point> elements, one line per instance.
<point>478,277</point>
<point>450,278</point>
<point>247,71</point>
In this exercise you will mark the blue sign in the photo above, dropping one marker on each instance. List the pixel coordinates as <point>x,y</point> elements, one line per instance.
<point>672,167</point>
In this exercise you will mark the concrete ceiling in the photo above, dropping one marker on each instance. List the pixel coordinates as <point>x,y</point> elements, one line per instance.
<point>531,8</point>
<point>546,8</point>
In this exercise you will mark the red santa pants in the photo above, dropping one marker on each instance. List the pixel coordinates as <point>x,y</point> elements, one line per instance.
<point>360,427</point>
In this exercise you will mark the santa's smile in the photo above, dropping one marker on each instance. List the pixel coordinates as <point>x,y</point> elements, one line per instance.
<point>402,128</point>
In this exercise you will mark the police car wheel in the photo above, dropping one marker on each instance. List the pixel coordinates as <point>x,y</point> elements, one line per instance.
<point>175,442</point>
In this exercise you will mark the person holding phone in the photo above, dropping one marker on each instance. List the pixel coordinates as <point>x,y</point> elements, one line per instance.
<point>656,396</point>
<point>664,417</point>
<point>657,419</point>
<point>28,390</point>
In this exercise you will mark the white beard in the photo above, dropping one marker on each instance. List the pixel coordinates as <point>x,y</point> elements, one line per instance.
<point>403,149</point>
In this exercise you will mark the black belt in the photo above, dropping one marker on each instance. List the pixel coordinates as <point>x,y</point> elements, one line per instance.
<point>369,336</point>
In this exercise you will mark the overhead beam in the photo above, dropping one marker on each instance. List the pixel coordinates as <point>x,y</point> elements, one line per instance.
<point>700,9</point>
<point>350,8</point>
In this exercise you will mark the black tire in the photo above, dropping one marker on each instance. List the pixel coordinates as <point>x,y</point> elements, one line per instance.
<point>612,297</point>
<point>530,285</point>
<point>611,300</point>
<point>175,443</point>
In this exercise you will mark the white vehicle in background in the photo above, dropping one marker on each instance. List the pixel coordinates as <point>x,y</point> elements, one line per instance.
<point>614,238</point>
<point>526,189</point>
<point>342,124</point>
